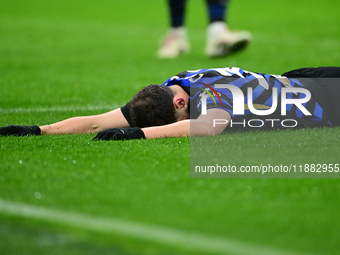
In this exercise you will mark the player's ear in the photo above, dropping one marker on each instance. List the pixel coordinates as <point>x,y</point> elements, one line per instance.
<point>179,102</point>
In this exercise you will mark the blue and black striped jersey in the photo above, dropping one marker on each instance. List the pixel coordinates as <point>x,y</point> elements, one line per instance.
<point>202,82</point>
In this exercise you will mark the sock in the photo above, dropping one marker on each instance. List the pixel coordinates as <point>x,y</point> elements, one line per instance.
<point>217,10</point>
<point>177,11</point>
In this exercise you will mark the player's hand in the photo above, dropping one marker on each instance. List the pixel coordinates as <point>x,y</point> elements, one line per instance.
<point>19,130</point>
<point>120,134</point>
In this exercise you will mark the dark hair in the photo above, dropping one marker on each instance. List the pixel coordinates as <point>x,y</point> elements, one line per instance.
<point>153,106</point>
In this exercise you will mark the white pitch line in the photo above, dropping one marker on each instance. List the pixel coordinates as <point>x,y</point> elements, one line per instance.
<point>59,109</point>
<point>190,240</point>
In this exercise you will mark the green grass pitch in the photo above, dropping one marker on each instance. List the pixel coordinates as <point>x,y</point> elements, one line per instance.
<point>60,59</point>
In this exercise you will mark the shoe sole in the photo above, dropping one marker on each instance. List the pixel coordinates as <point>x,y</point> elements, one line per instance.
<point>228,49</point>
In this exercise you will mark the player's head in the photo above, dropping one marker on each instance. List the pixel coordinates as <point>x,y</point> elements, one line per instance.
<point>157,105</point>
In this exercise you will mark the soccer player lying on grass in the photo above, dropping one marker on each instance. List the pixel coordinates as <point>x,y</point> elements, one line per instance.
<point>159,111</point>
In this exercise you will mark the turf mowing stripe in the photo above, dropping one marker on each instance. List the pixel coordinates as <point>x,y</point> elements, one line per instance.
<point>189,240</point>
<point>59,109</point>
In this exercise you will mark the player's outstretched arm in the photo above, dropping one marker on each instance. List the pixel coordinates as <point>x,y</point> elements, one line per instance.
<point>87,124</point>
<point>76,125</point>
<point>202,126</point>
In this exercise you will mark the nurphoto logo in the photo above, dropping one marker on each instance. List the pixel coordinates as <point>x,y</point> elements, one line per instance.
<point>239,104</point>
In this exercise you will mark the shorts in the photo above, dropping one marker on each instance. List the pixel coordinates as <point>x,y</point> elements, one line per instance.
<point>326,90</point>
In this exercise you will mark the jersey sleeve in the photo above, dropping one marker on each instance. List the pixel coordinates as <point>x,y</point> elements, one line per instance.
<point>126,112</point>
